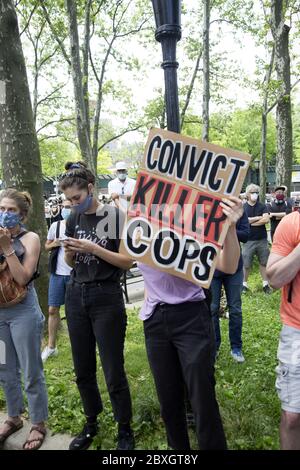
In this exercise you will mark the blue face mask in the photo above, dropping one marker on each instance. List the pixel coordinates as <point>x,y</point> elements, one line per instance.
<point>65,213</point>
<point>9,219</point>
<point>85,205</point>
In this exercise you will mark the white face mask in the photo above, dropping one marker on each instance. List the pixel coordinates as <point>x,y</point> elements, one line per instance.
<point>122,176</point>
<point>253,197</point>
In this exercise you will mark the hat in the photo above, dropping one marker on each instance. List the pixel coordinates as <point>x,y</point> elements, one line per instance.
<point>121,166</point>
<point>283,188</point>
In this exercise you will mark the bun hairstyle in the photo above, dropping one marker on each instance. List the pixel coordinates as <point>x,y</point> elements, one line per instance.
<point>22,199</point>
<point>74,165</point>
<point>77,173</point>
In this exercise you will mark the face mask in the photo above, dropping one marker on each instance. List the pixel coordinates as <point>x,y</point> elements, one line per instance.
<point>122,176</point>
<point>9,219</point>
<point>280,197</point>
<point>65,213</point>
<point>253,197</point>
<point>85,205</point>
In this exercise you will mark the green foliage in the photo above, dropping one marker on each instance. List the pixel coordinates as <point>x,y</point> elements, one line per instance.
<point>248,401</point>
<point>104,162</point>
<point>54,154</point>
<point>240,130</point>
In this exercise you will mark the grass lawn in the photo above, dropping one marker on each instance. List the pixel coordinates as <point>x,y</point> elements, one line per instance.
<point>246,392</point>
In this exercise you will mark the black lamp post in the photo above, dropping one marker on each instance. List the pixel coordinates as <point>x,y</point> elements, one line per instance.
<point>168,31</point>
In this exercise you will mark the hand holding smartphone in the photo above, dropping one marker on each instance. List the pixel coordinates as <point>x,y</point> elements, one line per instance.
<point>63,241</point>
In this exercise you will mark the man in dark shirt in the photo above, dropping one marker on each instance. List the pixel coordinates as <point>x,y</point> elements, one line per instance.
<point>233,284</point>
<point>278,208</point>
<point>257,244</point>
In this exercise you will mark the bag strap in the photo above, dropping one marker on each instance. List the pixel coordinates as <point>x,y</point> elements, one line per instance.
<point>57,229</point>
<point>20,235</point>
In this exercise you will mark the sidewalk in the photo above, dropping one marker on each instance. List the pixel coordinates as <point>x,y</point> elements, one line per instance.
<point>51,442</point>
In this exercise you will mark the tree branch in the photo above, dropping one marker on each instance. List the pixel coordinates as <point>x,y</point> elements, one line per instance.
<point>48,97</point>
<point>52,29</point>
<point>119,135</point>
<point>191,87</point>
<point>29,19</point>
<point>54,122</point>
<point>280,98</point>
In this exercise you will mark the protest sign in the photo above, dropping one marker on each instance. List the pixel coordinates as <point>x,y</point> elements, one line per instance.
<point>174,221</point>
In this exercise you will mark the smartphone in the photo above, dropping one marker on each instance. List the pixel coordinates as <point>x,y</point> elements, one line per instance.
<point>62,241</point>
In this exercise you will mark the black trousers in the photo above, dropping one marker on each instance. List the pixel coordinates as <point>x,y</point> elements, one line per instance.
<point>96,315</point>
<point>180,345</point>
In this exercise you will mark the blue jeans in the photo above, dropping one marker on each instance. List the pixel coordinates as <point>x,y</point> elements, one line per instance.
<point>233,284</point>
<point>21,329</point>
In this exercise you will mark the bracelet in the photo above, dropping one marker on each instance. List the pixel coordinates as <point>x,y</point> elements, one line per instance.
<point>9,254</point>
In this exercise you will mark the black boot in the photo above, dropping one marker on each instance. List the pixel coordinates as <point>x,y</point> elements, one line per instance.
<point>125,438</point>
<point>85,438</point>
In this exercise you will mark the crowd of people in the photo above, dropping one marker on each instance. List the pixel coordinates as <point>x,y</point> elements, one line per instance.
<point>181,328</point>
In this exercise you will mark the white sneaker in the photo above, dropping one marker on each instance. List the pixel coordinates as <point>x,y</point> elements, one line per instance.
<point>48,352</point>
<point>237,355</point>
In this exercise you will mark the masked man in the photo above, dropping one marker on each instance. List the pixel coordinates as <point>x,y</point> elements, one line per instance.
<point>121,188</point>
<point>278,208</point>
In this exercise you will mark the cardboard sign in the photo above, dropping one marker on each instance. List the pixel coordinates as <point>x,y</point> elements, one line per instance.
<point>174,221</point>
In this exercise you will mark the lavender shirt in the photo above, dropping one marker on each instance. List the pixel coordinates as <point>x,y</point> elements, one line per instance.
<point>162,287</point>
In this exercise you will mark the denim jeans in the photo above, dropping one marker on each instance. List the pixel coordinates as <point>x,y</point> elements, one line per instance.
<point>21,329</point>
<point>233,284</point>
<point>96,316</point>
<point>180,345</point>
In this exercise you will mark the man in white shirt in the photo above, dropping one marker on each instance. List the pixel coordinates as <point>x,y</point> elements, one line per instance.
<point>59,277</point>
<point>121,188</point>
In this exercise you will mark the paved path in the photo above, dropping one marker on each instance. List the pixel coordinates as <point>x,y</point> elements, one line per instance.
<point>52,442</point>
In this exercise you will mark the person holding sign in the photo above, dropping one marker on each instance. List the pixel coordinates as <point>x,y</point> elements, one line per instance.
<point>180,344</point>
<point>94,303</point>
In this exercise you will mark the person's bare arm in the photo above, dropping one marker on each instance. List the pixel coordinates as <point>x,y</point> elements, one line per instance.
<point>281,270</point>
<point>50,244</point>
<point>278,215</point>
<point>22,273</point>
<point>230,253</point>
<point>263,220</point>
<point>253,219</point>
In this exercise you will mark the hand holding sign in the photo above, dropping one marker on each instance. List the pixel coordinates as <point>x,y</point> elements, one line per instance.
<point>233,208</point>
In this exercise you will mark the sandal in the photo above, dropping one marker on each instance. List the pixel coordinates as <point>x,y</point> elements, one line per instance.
<point>13,428</point>
<point>39,440</point>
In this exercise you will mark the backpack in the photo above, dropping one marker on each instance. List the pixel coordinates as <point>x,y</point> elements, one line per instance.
<point>52,262</point>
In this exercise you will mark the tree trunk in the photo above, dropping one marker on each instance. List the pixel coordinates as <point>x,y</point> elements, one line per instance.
<point>280,33</point>
<point>263,158</point>
<point>191,88</point>
<point>264,127</point>
<point>206,84</point>
<point>85,56</point>
<point>80,105</point>
<point>20,154</point>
